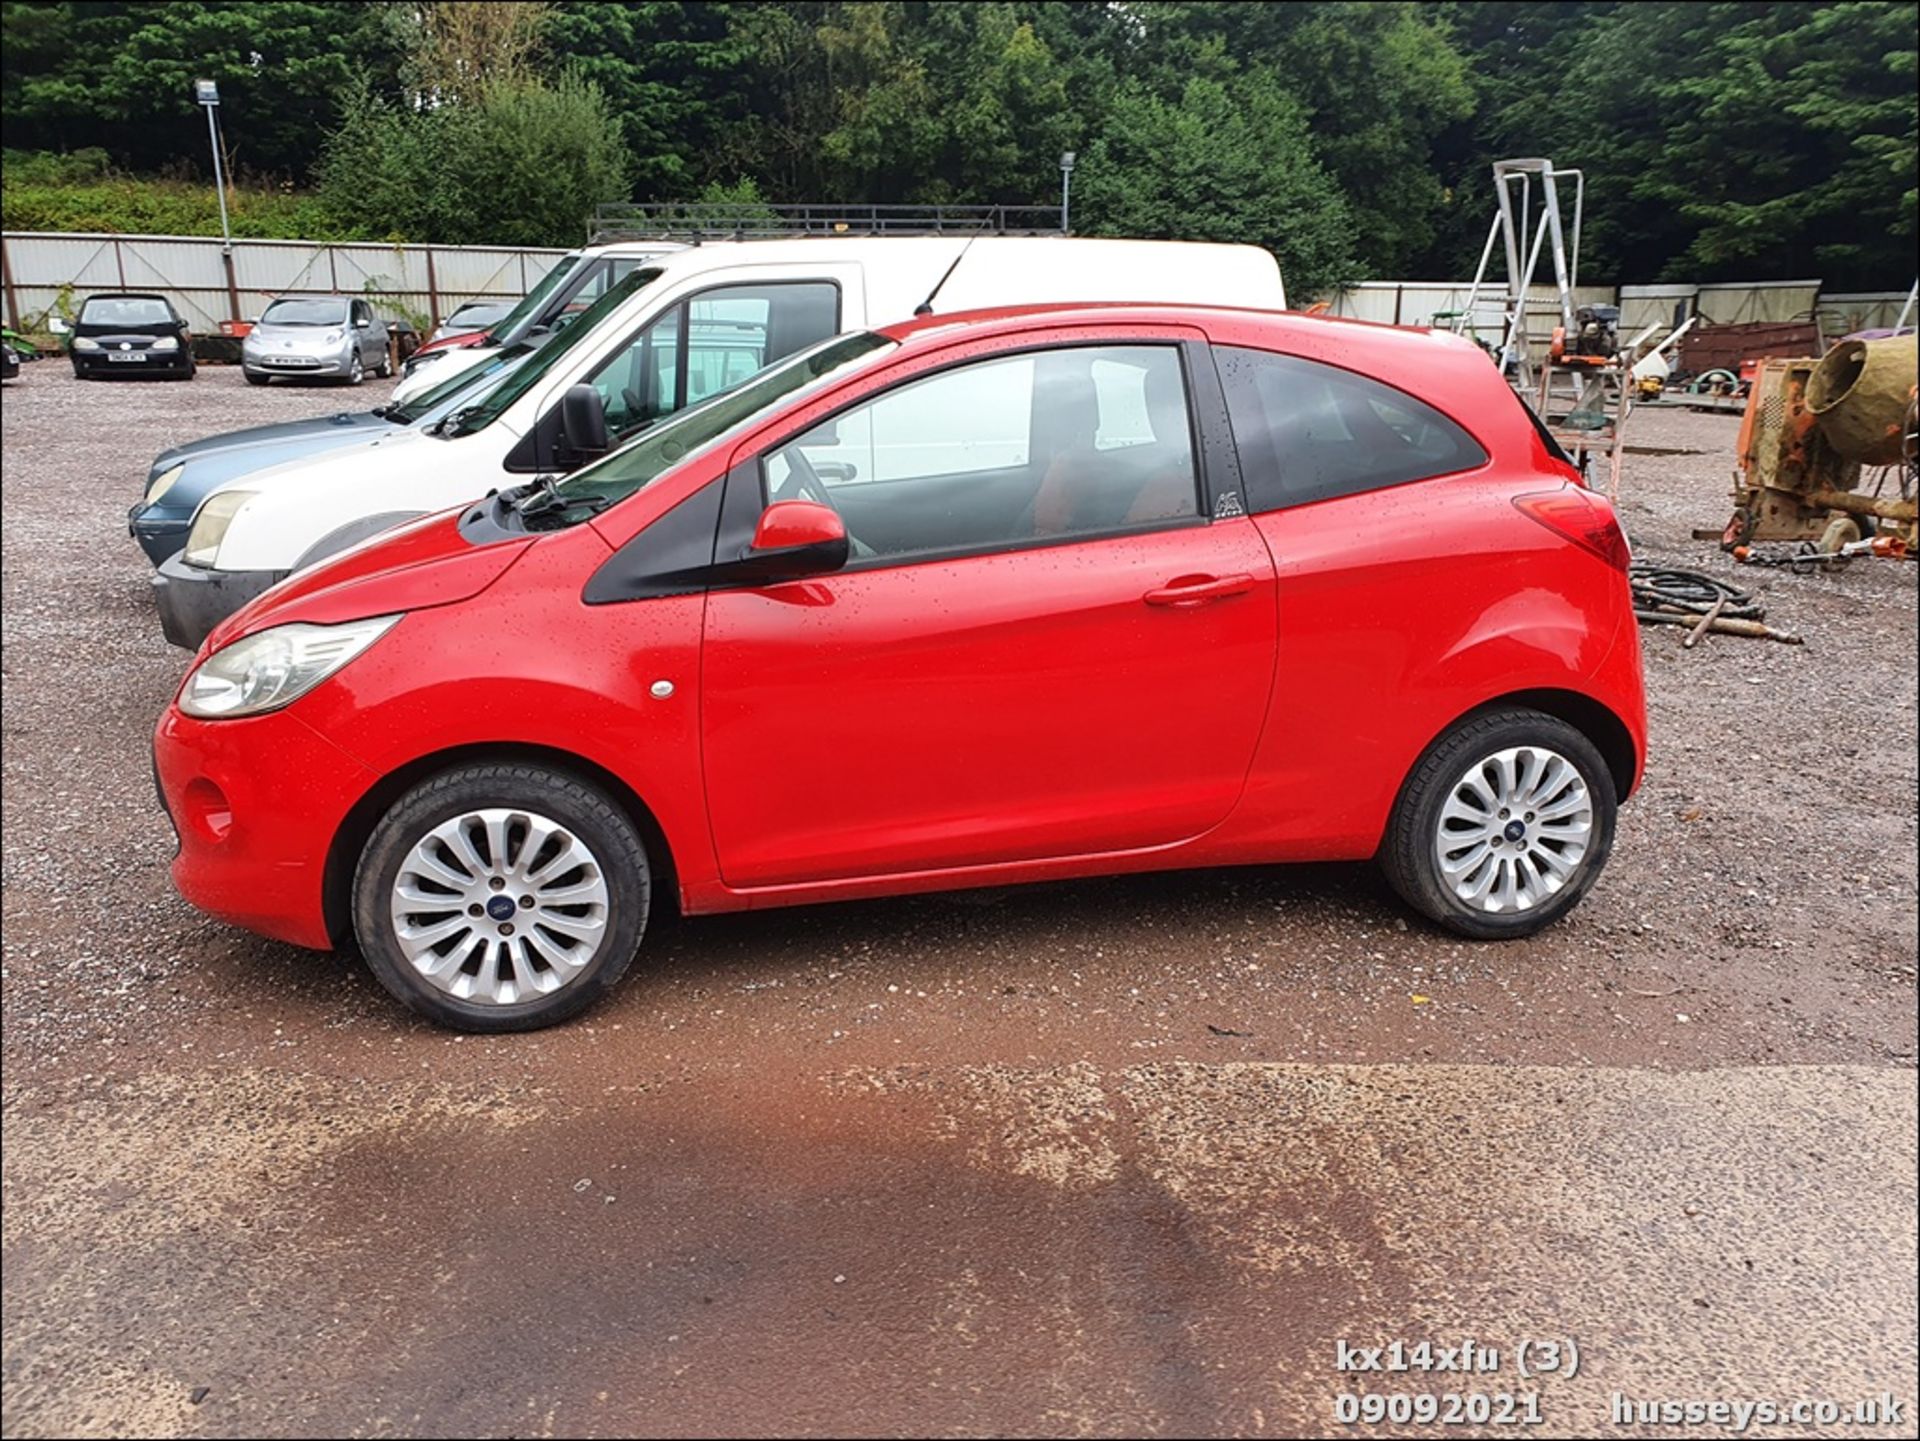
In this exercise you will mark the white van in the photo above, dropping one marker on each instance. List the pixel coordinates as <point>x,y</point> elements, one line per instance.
<point>576,280</point>
<point>679,328</point>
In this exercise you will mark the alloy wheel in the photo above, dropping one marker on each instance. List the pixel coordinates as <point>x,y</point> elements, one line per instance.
<point>1515,828</point>
<point>499,906</point>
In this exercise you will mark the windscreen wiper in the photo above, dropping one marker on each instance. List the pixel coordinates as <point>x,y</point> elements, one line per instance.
<point>453,418</point>
<point>543,497</point>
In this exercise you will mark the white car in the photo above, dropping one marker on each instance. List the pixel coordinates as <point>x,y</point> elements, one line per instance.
<point>676,330</point>
<point>577,279</point>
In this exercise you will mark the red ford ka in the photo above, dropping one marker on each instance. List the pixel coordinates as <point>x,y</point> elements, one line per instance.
<point>967,601</point>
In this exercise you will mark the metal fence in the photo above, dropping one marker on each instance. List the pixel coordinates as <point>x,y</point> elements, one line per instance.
<point>1436,302</point>
<point>207,287</point>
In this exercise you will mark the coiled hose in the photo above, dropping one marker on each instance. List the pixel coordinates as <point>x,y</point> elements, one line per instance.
<point>1689,592</point>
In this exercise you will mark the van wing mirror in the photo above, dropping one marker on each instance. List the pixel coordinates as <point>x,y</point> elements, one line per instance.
<point>583,423</point>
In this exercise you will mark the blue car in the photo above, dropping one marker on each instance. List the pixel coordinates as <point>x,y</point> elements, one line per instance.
<point>180,478</point>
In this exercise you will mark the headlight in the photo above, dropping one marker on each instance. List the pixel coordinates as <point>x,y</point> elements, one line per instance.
<point>274,667</point>
<point>210,526</point>
<point>334,337</point>
<point>164,481</point>
<point>165,342</point>
<point>85,342</point>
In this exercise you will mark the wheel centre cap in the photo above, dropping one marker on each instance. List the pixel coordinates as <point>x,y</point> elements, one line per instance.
<point>1515,830</point>
<point>501,908</point>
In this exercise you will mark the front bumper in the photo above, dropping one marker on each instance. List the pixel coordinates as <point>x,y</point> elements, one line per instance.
<point>140,362</point>
<point>160,536</point>
<point>193,601</point>
<point>292,362</point>
<point>256,804</point>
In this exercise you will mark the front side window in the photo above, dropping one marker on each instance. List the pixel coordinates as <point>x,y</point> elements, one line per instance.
<point>1308,432</point>
<point>1022,449</point>
<point>362,313</point>
<point>711,343</point>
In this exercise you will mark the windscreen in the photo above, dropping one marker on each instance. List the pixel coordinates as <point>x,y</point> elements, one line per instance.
<point>665,445</point>
<point>482,414</point>
<point>535,300</point>
<point>126,310</point>
<point>473,381</point>
<point>306,312</point>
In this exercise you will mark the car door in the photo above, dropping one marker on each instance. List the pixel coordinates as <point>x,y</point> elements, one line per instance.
<point>1045,643</point>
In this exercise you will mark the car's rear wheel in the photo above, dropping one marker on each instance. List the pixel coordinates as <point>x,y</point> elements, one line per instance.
<point>501,897</point>
<point>1503,826</point>
<point>385,370</point>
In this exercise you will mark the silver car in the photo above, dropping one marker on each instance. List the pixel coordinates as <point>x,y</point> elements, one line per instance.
<point>336,337</point>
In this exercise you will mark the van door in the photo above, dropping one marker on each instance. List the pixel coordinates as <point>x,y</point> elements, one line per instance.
<point>713,334</point>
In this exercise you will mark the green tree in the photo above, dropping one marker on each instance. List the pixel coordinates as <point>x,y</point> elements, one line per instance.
<point>120,76</point>
<point>1224,162</point>
<point>1378,85</point>
<point>673,75</point>
<point>1719,141</point>
<point>516,164</point>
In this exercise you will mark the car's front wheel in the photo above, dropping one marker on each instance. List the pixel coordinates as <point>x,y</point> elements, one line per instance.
<point>501,897</point>
<point>1503,826</point>
<point>356,368</point>
<point>254,377</point>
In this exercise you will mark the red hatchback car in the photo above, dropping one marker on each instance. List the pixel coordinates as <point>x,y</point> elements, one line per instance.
<point>972,600</point>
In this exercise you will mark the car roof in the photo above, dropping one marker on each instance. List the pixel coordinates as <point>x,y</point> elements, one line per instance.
<point>125,295</point>
<point>1217,320</point>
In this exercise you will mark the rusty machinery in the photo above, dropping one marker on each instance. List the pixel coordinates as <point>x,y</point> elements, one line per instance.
<point>1814,429</point>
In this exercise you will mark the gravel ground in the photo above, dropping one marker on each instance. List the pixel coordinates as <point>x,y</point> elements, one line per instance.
<point>1759,911</point>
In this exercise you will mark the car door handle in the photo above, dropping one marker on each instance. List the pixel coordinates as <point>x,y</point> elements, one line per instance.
<point>1191,590</point>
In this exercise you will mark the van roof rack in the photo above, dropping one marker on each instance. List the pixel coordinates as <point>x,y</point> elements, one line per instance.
<point>671,221</point>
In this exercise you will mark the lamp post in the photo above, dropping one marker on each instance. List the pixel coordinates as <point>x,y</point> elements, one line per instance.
<point>1066,189</point>
<point>207,94</point>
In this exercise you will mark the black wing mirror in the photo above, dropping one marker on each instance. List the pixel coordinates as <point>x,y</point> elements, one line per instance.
<point>583,423</point>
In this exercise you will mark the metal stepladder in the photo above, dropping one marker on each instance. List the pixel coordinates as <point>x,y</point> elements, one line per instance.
<point>1595,420</point>
<point>1587,413</point>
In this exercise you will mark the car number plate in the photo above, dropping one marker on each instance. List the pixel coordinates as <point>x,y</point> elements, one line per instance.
<point>126,355</point>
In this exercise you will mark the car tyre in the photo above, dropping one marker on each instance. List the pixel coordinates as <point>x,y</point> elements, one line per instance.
<point>385,370</point>
<point>358,371</point>
<point>1549,807</point>
<point>255,378</point>
<point>474,977</point>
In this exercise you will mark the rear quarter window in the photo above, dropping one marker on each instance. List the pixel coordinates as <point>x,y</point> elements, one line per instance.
<point>1307,431</point>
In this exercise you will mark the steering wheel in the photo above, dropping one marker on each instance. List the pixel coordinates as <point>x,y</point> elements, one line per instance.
<point>803,481</point>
